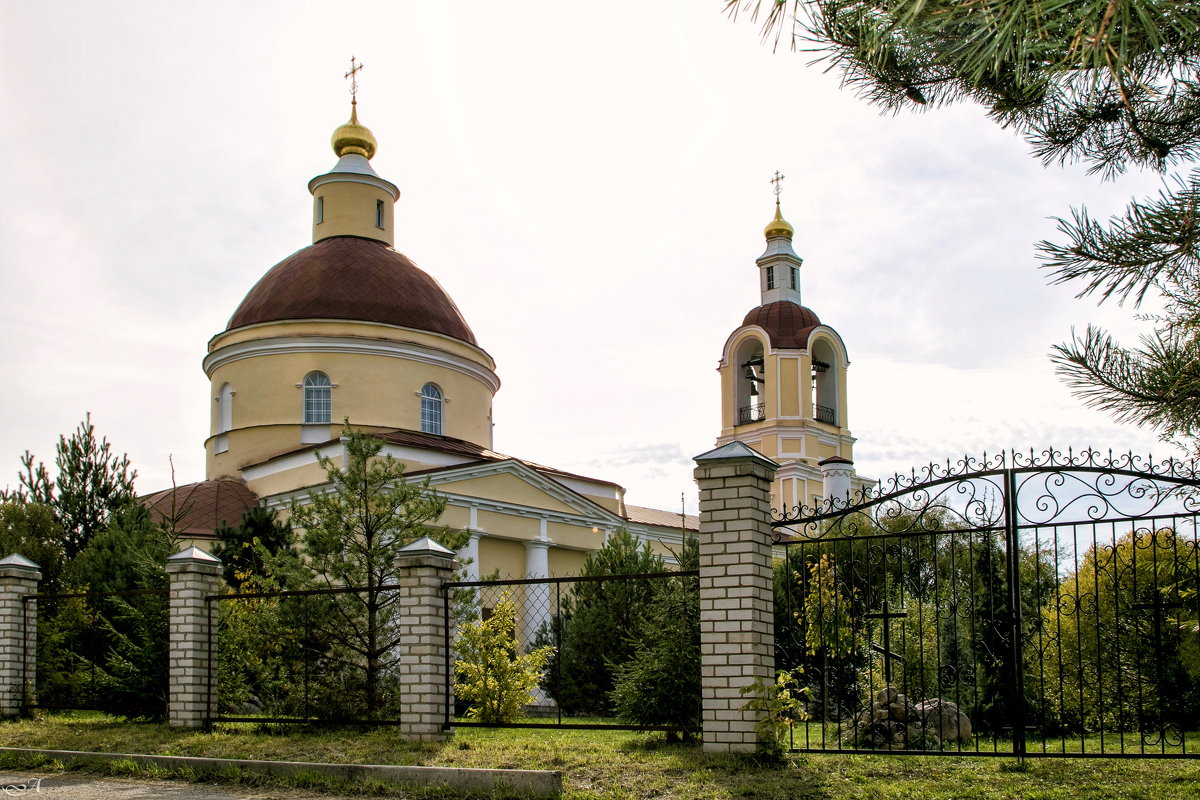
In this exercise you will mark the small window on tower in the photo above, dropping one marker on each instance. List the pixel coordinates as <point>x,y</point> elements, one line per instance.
<point>320,209</point>
<point>378,213</point>
<point>770,277</point>
<point>795,277</point>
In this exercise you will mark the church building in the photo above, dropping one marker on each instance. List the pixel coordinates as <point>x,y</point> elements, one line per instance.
<point>351,328</point>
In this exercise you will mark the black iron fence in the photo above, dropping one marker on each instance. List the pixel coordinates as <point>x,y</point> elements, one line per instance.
<point>1042,605</point>
<point>319,656</point>
<point>617,651</point>
<point>103,651</point>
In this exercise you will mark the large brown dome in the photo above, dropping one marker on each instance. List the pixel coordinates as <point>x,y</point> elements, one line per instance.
<point>786,323</point>
<point>345,277</point>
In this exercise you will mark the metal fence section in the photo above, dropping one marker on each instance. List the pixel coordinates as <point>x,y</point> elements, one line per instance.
<point>594,626</point>
<point>101,651</point>
<point>1031,605</point>
<point>318,656</point>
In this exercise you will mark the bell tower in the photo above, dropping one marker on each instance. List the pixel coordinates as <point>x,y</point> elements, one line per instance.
<point>783,383</point>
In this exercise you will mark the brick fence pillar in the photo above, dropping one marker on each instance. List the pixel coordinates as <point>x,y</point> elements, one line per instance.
<point>18,633</point>
<point>192,575</point>
<point>737,624</point>
<point>421,569</point>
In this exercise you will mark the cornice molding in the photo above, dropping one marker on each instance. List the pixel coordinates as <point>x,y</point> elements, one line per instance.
<point>409,351</point>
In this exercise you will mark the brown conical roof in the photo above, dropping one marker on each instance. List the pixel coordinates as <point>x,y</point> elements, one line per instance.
<point>346,277</point>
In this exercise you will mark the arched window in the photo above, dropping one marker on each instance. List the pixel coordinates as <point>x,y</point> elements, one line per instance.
<point>225,409</point>
<point>431,409</point>
<point>318,398</point>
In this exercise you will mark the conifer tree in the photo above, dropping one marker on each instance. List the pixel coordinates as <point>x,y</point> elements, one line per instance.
<point>599,621</point>
<point>91,485</point>
<point>352,535</point>
<point>245,548</point>
<point>1114,84</point>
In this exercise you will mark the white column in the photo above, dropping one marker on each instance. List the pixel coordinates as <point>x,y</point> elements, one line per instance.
<point>537,597</point>
<point>469,556</point>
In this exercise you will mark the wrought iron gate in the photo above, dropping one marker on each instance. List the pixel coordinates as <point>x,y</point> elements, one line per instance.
<point>1041,604</point>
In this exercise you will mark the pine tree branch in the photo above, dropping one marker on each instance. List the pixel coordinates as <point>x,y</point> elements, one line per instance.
<point>1155,243</point>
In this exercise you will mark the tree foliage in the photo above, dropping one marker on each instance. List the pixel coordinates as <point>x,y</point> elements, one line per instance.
<point>247,548</point>
<point>29,529</point>
<point>597,622</point>
<point>1114,84</point>
<point>1122,636</point>
<point>108,650</point>
<point>91,484</point>
<point>660,684</point>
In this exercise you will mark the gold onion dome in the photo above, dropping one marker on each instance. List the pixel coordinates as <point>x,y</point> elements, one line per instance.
<point>353,137</point>
<point>778,226</point>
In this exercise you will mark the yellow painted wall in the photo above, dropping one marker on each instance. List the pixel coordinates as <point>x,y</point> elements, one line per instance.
<point>509,489</point>
<point>350,211</point>
<point>509,525</point>
<point>789,398</point>
<point>506,556</point>
<point>565,563</point>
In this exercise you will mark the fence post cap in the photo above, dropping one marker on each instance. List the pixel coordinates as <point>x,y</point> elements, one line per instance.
<point>735,450</point>
<point>425,546</point>
<point>191,558</point>
<point>18,566</point>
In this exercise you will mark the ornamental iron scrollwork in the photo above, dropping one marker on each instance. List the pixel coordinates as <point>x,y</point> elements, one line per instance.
<point>1039,603</point>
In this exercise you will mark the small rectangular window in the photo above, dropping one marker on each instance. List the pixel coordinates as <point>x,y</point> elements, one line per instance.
<point>795,276</point>
<point>320,209</point>
<point>378,213</point>
<point>770,277</point>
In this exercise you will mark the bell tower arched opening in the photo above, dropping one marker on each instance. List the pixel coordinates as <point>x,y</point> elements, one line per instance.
<point>750,381</point>
<point>825,383</point>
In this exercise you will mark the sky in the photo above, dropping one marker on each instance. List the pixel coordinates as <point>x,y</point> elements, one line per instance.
<point>588,181</point>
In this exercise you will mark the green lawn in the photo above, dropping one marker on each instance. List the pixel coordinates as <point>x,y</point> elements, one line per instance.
<point>616,765</point>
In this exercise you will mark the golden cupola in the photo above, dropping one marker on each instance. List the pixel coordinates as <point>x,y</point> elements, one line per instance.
<point>354,137</point>
<point>778,226</point>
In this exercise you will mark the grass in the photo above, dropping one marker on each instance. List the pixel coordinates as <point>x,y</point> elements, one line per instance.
<point>619,765</point>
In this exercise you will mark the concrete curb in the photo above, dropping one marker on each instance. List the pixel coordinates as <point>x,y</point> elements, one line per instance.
<point>541,783</point>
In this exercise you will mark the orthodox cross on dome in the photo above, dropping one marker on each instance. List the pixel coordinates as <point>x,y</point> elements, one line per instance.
<point>778,184</point>
<point>355,68</point>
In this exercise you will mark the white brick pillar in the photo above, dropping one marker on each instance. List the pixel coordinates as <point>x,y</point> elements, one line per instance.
<point>421,569</point>
<point>18,633</point>
<point>737,636</point>
<point>193,575</point>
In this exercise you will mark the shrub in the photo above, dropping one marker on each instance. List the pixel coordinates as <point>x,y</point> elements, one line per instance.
<point>490,675</point>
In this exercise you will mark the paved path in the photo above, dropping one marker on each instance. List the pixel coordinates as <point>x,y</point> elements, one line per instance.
<point>53,785</point>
